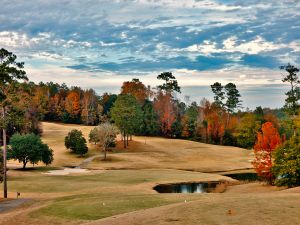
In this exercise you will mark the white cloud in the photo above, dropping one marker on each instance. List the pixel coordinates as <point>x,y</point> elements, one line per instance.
<point>230,45</point>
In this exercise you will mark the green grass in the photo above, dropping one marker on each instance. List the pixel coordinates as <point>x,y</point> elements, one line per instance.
<point>99,205</point>
<point>95,196</point>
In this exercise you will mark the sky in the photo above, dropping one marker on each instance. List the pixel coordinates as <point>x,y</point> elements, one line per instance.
<point>100,44</point>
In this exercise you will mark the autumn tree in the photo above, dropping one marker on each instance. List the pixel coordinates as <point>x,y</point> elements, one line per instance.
<point>293,95</point>
<point>165,108</point>
<point>213,121</point>
<point>30,148</point>
<point>10,71</point>
<point>127,115</point>
<point>90,107</point>
<point>107,101</point>
<point>267,141</point>
<point>106,135</point>
<point>72,106</point>
<point>136,88</point>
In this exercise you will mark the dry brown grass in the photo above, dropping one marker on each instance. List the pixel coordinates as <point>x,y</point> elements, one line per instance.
<point>76,199</point>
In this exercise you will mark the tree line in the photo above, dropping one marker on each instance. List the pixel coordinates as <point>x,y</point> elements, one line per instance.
<point>141,110</point>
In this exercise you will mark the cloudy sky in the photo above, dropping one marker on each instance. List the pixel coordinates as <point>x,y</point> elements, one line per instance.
<point>100,44</point>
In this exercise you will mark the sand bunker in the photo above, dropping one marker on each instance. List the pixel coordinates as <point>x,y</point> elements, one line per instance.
<point>67,171</point>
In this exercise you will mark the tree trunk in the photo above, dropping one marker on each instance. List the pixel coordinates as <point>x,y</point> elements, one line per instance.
<point>24,164</point>
<point>4,158</point>
<point>124,139</point>
<point>130,137</point>
<point>127,140</point>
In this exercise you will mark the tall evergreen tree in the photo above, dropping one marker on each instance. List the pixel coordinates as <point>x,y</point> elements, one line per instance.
<point>170,85</point>
<point>219,94</point>
<point>232,97</point>
<point>293,95</point>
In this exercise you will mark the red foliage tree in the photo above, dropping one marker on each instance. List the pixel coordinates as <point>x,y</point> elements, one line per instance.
<point>267,141</point>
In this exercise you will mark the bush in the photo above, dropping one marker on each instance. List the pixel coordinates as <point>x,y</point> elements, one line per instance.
<point>286,167</point>
<point>76,142</point>
<point>29,148</point>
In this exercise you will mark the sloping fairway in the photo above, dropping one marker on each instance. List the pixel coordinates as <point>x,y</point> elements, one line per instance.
<point>120,190</point>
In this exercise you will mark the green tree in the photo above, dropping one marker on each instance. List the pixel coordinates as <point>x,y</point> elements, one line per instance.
<point>229,93</point>
<point>29,148</point>
<point>286,166</point>
<point>247,130</point>
<point>219,94</point>
<point>10,70</point>
<point>127,115</point>
<point>76,142</point>
<point>232,97</point>
<point>293,95</point>
<point>170,84</point>
<point>93,136</point>
<point>150,119</point>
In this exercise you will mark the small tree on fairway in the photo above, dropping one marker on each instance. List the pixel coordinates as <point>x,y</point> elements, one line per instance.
<point>106,134</point>
<point>29,148</point>
<point>94,136</point>
<point>76,142</point>
<point>267,141</point>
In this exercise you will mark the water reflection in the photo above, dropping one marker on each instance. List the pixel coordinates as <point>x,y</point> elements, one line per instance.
<point>202,187</point>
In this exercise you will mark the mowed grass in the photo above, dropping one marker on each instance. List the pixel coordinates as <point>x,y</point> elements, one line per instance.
<point>102,193</point>
<point>100,205</point>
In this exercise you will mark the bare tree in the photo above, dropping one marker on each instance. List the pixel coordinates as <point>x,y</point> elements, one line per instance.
<point>107,134</point>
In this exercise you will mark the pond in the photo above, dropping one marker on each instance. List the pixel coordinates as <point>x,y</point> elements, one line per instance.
<point>243,176</point>
<point>198,187</point>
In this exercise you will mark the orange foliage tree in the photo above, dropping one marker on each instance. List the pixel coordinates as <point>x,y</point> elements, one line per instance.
<point>267,141</point>
<point>165,109</point>
<point>72,103</point>
<point>135,88</point>
<point>215,121</point>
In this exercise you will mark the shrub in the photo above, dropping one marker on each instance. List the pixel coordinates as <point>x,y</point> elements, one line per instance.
<point>76,142</point>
